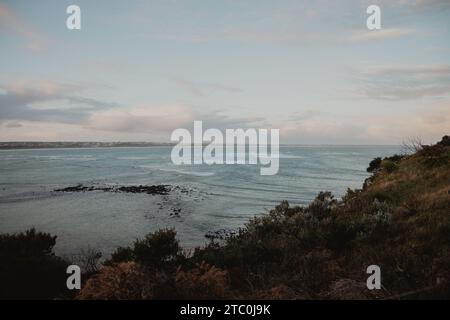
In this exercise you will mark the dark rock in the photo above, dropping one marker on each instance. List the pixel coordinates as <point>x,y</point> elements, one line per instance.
<point>155,189</point>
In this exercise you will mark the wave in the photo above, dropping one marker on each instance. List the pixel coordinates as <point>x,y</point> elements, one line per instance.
<point>340,153</point>
<point>65,158</point>
<point>135,158</point>
<point>280,156</point>
<point>191,173</point>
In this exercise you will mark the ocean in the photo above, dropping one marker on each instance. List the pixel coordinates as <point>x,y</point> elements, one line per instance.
<point>203,198</point>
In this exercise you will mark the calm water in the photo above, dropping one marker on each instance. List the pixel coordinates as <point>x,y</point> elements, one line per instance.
<point>220,196</point>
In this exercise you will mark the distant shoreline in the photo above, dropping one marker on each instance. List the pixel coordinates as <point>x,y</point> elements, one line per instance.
<point>23,145</point>
<point>78,145</point>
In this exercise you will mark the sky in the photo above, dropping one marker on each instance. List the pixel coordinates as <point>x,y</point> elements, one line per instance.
<point>137,70</point>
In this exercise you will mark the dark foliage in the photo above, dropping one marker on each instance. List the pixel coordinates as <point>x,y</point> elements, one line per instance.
<point>29,269</point>
<point>374,165</point>
<point>157,249</point>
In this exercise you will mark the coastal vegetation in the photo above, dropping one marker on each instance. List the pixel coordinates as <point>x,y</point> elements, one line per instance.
<point>399,220</point>
<point>28,267</point>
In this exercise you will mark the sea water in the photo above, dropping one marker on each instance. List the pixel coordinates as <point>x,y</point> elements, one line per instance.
<point>209,197</point>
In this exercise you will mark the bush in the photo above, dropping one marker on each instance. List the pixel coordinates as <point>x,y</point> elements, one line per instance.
<point>156,249</point>
<point>322,205</point>
<point>121,281</point>
<point>381,212</point>
<point>374,165</point>
<point>122,254</point>
<point>445,142</point>
<point>202,282</point>
<point>389,165</point>
<point>396,158</point>
<point>29,269</point>
<point>88,260</point>
<point>437,155</point>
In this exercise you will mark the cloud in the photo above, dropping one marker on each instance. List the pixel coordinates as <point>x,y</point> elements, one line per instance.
<point>430,123</point>
<point>23,101</point>
<point>420,4</point>
<point>203,89</point>
<point>190,87</point>
<point>322,128</point>
<point>13,124</point>
<point>222,121</point>
<point>15,24</point>
<point>303,23</point>
<point>403,82</point>
<point>214,86</point>
<point>377,35</point>
<point>141,119</point>
<point>164,119</point>
<point>267,36</point>
<point>316,37</point>
<point>299,117</point>
<point>26,101</point>
<point>416,71</point>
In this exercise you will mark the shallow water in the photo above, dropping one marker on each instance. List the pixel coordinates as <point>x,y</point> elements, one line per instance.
<point>219,196</point>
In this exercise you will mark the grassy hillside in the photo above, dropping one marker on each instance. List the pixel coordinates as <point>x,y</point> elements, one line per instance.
<point>399,220</point>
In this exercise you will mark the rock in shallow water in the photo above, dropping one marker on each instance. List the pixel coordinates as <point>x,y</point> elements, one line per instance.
<point>154,189</point>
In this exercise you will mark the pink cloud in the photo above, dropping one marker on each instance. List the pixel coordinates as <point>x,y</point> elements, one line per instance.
<point>142,119</point>
<point>430,123</point>
<point>15,24</point>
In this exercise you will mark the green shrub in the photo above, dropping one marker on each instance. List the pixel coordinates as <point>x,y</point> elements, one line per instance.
<point>389,165</point>
<point>321,206</point>
<point>436,155</point>
<point>122,254</point>
<point>156,249</point>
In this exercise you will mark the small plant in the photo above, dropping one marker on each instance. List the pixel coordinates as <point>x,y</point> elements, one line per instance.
<point>122,281</point>
<point>412,145</point>
<point>122,254</point>
<point>202,282</point>
<point>88,260</point>
<point>322,205</point>
<point>389,166</point>
<point>381,212</point>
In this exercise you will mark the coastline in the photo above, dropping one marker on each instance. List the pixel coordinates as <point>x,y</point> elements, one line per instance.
<point>31,145</point>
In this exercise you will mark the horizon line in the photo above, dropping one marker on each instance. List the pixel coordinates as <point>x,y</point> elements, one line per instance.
<point>157,143</point>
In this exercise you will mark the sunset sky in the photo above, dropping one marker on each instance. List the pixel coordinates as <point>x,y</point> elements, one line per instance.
<point>139,69</point>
